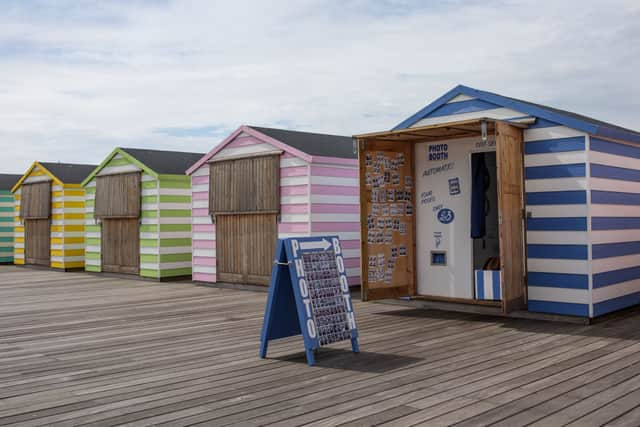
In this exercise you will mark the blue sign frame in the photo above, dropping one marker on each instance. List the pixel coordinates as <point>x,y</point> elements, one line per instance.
<point>289,310</point>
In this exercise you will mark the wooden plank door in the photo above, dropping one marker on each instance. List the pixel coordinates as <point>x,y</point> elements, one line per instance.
<point>120,245</point>
<point>37,241</point>
<point>510,160</point>
<point>245,247</point>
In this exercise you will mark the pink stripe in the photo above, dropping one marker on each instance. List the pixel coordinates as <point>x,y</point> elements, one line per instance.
<point>209,261</point>
<point>206,277</point>
<point>332,227</point>
<point>353,280</point>
<point>293,171</point>
<point>334,190</point>
<point>294,190</point>
<point>201,179</point>
<point>350,244</point>
<point>334,208</point>
<point>204,244</point>
<point>299,208</point>
<point>200,195</point>
<point>293,227</point>
<point>200,212</point>
<point>203,228</point>
<point>339,172</point>
<point>335,160</point>
<point>352,262</point>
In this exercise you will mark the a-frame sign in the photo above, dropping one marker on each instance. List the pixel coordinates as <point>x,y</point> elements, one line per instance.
<point>309,295</point>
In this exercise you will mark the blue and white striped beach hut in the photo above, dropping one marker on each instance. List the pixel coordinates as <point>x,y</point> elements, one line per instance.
<point>580,206</point>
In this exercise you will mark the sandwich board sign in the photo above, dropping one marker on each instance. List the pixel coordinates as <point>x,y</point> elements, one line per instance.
<point>309,295</point>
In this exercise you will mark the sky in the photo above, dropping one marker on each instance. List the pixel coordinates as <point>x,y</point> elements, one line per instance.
<point>78,78</point>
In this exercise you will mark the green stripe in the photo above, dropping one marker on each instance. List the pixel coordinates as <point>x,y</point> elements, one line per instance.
<point>149,214</point>
<point>90,190</point>
<point>148,243</point>
<point>92,228</point>
<point>6,239</point>
<point>175,227</point>
<point>175,257</point>
<point>118,162</point>
<point>94,268</point>
<point>89,203</point>
<point>92,241</point>
<point>149,228</point>
<point>6,249</point>
<point>6,199</point>
<point>6,219</point>
<point>149,184</point>
<point>6,259</point>
<point>149,199</point>
<point>175,242</point>
<point>175,212</point>
<point>92,255</point>
<point>144,272</point>
<point>176,272</point>
<point>175,199</point>
<point>6,208</point>
<point>148,258</point>
<point>186,184</point>
<point>7,192</point>
<point>6,229</point>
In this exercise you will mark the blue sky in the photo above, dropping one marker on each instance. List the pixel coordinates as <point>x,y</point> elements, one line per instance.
<point>80,77</point>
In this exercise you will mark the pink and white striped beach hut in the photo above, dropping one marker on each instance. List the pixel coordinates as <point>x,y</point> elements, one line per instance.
<point>267,184</point>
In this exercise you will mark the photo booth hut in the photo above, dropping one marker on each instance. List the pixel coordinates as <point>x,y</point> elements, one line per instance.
<point>138,216</point>
<point>49,215</point>
<point>7,181</point>
<point>442,213</point>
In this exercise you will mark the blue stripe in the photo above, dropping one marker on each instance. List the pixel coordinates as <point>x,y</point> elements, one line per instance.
<point>558,280</point>
<point>557,224</point>
<point>608,250</point>
<point>479,284</point>
<point>566,308</point>
<point>574,143</point>
<point>578,197</point>
<point>6,229</point>
<point>557,251</point>
<point>555,171</point>
<point>542,123</point>
<point>614,198</point>
<point>495,276</point>
<point>615,223</point>
<point>6,239</point>
<point>462,107</point>
<point>613,172</point>
<point>601,280</point>
<point>609,147</point>
<point>6,249</point>
<point>6,259</point>
<point>614,304</point>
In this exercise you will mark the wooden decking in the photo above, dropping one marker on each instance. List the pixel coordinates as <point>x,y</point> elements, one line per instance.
<point>80,349</point>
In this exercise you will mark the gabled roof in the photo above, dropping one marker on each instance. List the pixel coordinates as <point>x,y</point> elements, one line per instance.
<point>306,145</point>
<point>7,181</point>
<point>60,173</point>
<point>562,117</point>
<point>152,162</point>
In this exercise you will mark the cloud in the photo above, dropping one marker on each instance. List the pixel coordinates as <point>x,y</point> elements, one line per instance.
<point>78,78</point>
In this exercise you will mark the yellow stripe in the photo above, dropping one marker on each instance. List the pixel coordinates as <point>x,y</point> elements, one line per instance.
<point>61,229</point>
<point>57,205</point>
<point>37,172</point>
<point>75,264</point>
<point>72,186</point>
<point>19,250</point>
<point>75,193</point>
<point>68,252</point>
<point>72,240</point>
<point>74,204</point>
<point>57,265</point>
<point>18,261</point>
<point>57,194</point>
<point>19,229</point>
<point>19,239</point>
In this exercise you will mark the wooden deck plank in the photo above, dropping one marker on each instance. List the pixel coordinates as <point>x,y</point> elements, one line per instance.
<point>77,348</point>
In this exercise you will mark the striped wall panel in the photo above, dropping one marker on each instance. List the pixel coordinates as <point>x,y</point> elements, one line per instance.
<point>615,223</point>
<point>18,230</point>
<point>316,199</point>
<point>6,227</point>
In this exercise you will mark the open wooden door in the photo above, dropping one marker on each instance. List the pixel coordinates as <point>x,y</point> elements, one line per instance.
<point>387,215</point>
<point>120,245</point>
<point>37,238</point>
<point>510,159</point>
<point>245,247</point>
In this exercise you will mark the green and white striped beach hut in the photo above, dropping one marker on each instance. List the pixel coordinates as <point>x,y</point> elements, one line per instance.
<point>6,217</point>
<point>138,214</point>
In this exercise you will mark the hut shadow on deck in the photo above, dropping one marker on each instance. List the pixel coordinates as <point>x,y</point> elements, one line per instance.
<point>623,324</point>
<point>345,359</point>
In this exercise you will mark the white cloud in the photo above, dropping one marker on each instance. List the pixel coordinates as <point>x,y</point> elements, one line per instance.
<point>77,79</point>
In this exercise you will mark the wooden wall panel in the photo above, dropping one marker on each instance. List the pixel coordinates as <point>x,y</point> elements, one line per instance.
<point>37,242</point>
<point>510,160</point>
<point>247,185</point>
<point>35,200</point>
<point>376,283</point>
<point>245,247</point>
<point>118,196</point>
<point>120,245</point>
